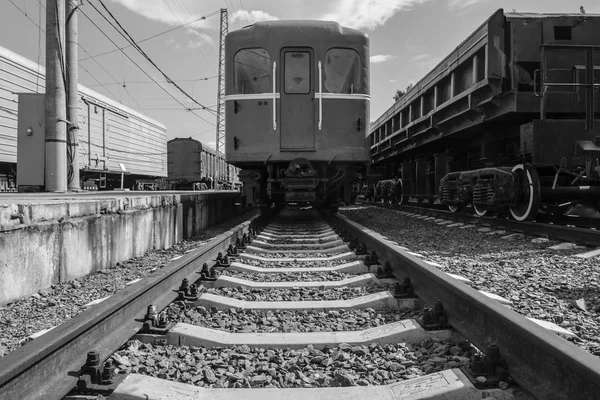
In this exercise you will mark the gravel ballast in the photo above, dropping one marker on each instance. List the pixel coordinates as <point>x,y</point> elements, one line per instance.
<point>243,321</point>
<point>542,283</point>
<point>244,367</point>
<point>62,301</point>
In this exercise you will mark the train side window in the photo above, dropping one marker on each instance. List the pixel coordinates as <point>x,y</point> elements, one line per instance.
<point>252,71</point>
<point>297,72</point>
<point>342,71</point>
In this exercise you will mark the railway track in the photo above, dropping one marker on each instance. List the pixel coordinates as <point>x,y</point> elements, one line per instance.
<point>574,229</point>
<point>297,309</point>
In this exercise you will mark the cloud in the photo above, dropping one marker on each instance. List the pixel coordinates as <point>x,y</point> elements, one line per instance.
<point>162,11</point>
<point>460,5</point>
<point>380,58</point>
<point>392,81</point>
<point>421,57</point>
<point>250,17</point>
<point>172,43</point>
<point>368,14</point>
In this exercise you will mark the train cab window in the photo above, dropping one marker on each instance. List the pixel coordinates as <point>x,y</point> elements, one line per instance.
<point>341,72</point>
<point>297,72</point>
<point>252,71</point>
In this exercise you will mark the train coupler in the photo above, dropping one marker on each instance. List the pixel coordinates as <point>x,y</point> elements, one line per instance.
<point>487,370</point>
<point>95,378</point>
<point>404,290</point>
<point>155,323</point>
<point>434,319</point>
<point>385,272</point>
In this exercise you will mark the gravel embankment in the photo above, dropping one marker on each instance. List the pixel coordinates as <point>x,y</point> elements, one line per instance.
<point>541,283</point>
<point>62,301</point>
<point>243,367</point>
<point>296,293</point>
<point>288,276</point>
<point>294,264</point>
<point>254,321</point>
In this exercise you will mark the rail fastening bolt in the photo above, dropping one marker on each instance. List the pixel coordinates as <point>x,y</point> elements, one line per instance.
<point>93,358</point>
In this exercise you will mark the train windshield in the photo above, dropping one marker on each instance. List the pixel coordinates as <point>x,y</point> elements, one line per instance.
<point>252,71</point>
<point>297,72</point>
<point>342,71</point>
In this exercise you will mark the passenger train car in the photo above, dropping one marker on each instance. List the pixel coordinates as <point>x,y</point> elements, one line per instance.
<point>508,122</point>
<point>110,134</point>
<point>192,164</point>
<point>297,110</point>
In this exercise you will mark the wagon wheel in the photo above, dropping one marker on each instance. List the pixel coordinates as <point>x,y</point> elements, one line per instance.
<point>529,195</point>
<point>399,193</point>
<point>480,210</point>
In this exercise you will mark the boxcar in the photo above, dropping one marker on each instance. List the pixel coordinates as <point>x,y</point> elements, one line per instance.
<point>192,163</point>
<point>297,110</point>
<point>507,122</point>
<point>110,133</point>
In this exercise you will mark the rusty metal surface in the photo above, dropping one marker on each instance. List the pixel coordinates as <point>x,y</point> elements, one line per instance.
<point>549,367</point>
<point>49,366</point>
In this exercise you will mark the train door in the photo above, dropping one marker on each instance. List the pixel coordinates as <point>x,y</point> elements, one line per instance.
<point>297,101</point>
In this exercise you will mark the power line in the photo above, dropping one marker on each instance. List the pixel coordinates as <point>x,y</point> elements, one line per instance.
<point>140,82</point>
<point>154,36</point>
<point>139,49</point>
<point>141,69</point>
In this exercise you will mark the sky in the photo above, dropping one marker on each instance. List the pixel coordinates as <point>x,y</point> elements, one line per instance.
<point>407,38</point>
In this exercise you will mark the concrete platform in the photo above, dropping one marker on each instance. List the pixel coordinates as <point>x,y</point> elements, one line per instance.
<point>360,280</point>
<point>46,238</point>
<point>343,256</point>
<point>445,385</point>
<point>354,267</point>
<point>377,301</point>
<point>407,331</point>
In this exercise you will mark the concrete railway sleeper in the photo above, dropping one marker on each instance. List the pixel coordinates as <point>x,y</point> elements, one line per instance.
<point>301,308</point>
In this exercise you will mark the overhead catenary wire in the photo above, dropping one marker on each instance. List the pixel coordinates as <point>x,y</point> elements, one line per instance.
<point>128,37</point>
<point>144,71</point>
<point>153,36</point>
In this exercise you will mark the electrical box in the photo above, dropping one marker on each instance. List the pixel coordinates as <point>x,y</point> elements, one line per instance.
<point>31,144</point>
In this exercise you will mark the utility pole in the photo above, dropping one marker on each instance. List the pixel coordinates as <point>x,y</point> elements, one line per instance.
<point>221,92</point>
<point>73,97</point>
<point>56,122</point>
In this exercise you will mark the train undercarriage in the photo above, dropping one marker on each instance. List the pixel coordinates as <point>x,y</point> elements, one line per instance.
<point>320,184</point>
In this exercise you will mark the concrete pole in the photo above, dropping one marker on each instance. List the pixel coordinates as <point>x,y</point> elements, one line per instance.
<point>72,85</point>
<point>56,111</point>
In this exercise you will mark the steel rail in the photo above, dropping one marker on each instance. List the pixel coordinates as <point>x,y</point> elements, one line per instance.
<point>49,366</point>
<point>542,228</point>
<point>546,365</point>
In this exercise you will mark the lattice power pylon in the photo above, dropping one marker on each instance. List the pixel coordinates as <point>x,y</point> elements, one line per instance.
<point>221,95</point>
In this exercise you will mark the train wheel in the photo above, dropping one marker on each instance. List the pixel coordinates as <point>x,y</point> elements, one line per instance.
<point>399,193</point>
<point>529,197</point>
<point>480,210</point>
<point>456,208</point>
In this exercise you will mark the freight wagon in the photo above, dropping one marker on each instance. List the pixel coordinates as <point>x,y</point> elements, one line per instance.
<point>507,123</point>
<point>191,164</point>
<point>112,137</point>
